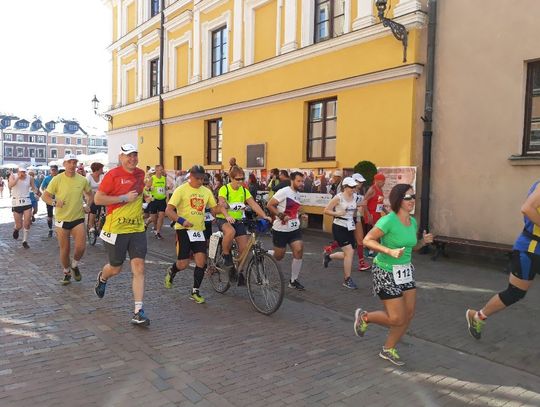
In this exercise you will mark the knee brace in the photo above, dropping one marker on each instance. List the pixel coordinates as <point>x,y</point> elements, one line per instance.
<point>511,295</point>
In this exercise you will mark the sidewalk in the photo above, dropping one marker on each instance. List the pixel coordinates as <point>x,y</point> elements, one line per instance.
<point>62,346</point>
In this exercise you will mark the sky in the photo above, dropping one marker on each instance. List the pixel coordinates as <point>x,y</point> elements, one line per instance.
<point>53,59</point>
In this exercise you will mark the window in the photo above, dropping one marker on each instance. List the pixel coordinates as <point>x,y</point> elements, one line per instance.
<point>41,153</point>
<point>321,143</point>
<point>154,85</point>
<point>67,151</point>
<point>9,151</point>
<point>329,19</point>
<point>20,151</point>
<point>7,137</point>
<point>68,140</point>
<point>41,139</point>
<point>79,141</point>
<point>215,140</point>
<point>219,51</point>
<point>53,140</point>
<point>31,139</point>
<point>531,139</point>
<point>92,142</point>
<point>31,152</point>
<point>54,153</point>
<point>78,152</point>
<point>104,143</point>
<point>154,8</point>
<point>20,138</point>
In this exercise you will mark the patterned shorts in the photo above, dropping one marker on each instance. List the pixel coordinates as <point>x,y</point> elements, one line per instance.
<point>384,285</point>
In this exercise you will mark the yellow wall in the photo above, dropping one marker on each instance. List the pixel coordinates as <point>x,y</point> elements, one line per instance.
<point>265,31</point>
<point>138,116</point>
<point>131,85</point>
<point>115,97</point>
<point>148,139</point>
<point>132,16</point>
<point>182,58</point>
<point>178,137</point>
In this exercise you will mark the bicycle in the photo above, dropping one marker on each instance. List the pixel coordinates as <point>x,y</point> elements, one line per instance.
<point>99,222</point>
<point>264,279</point>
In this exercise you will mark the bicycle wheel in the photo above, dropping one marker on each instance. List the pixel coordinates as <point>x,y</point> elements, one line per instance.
<point>215,273</point>
<point>265,284</point>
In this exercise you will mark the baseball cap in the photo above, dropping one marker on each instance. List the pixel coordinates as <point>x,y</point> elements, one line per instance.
<point>379,177</point>
<point>21,169</point>
<point>68,157</point>
<point>152,170</point>
<point>350,182</point>
<point>197,170</point>
<point>358,177</point>
<point>128,149</point>
<point>337,173</point>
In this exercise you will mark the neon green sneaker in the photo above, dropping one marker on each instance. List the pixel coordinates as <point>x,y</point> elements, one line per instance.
<point>475,325</point>
<point>198,298</point>
<point>391,355</point>
<point>360,325</point>
<point>169,277</point>
<point>66,280</point>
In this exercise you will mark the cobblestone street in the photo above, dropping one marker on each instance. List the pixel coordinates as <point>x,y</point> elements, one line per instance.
<point>62,346</point>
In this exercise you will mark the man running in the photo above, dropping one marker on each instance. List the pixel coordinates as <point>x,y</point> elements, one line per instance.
<point>65,192</point>
<point>158,189</point>
<point>94,179</point>
<point>524,265</point>
<point>21,184</point>
<point>121,191</point>
<point>285,206</point>
<point>44,185</point>
<point>187,207</point>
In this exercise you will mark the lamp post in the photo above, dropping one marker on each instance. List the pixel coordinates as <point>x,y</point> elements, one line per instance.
<point>399,30</point>
<point>95,105</point>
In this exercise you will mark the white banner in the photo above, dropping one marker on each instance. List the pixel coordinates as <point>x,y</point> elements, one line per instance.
<point>312,199</point>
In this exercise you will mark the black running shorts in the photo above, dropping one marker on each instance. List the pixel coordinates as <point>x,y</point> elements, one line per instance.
<point>184,247</point>
<point>132,243</point>
<point>282,239</point>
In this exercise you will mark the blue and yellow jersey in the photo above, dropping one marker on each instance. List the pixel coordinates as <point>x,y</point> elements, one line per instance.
<point>525,243</point>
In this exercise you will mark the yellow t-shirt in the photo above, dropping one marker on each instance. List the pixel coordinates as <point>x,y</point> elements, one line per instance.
<point>190,203</point>
<point>70,191</point>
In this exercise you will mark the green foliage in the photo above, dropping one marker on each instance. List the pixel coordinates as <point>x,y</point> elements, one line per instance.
<point>368,171</point>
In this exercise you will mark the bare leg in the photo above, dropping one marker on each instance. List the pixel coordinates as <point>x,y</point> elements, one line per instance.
<point>137,269</point>
<point>79,237</point>
<point>63,241</point>
<point>159,224</point>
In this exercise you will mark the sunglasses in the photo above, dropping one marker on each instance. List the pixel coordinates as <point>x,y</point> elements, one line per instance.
<point>409,197</point>
<point>239,179</point>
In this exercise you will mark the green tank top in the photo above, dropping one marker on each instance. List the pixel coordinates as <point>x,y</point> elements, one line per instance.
<point>159,187</point>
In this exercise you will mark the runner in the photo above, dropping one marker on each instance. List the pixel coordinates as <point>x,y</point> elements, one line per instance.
<point>343,208</point>
<point>68,190</point>
<point>147,197</point>
<point>392,271</point>
<point>186,207</point>
<point>374,200</point>
<point>524,265</point>
<point>234,196</point>
<point>158,184</point>
<point>208,217</point>
<point>21,184</point>
<point>121,191</point>
<point>285,206</point>
<point>34,198</point>
<point>94,179</point>
<point>44,185</point>
<point>2,182</point>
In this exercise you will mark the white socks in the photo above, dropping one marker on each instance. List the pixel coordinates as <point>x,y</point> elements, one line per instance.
<point>25,235</point>
<point>138,306</point>
<point>296,266</point>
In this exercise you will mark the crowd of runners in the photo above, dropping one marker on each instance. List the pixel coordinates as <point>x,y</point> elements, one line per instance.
<point>136,200</point>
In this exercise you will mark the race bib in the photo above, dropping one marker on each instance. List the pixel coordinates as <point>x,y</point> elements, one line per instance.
<point>237,206</point>
<point>195,236</point>
<point>208,217</point>
<point>213,245</point>
<point>108,237</point>
<point>403,273</point>
<point>350,224</point>
<point>379,208</point>
<point>20,201</point>
<point>160,190</point>
<point>293,224</point>
<point>145,205</point>
<point>58,223</point>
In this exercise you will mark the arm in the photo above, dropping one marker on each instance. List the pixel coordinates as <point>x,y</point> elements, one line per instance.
<point>171,213</point>
<point>33,187</point>
<point>103,199</point>
<point>529,207</point>
<point>329,210</point>
<point>258,210</point>
<point>372,242</point>
<point>48,199</point>
<point>12,181</point>
<point>89,197</point>
<point>273,208</point>
<point>427,238</point>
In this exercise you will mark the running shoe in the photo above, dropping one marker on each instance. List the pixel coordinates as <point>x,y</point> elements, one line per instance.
<point>371,253</point>
<point>198,298</point>
<point>33,218</point>
<point>91,234</point>
<point>169,277</point>
<point>50,233</point>
<point>326,259</point>
<point>66,280</point>
<point>349,283</point>
<point>391,355</point>
<point>100,286</point>
<point>328,249</point>
<point>363,265</point>
<point>76,273</point>
<point>25,245</point>
<point>296,285</point>
<point>140,319</point>
<point>241,280</point>
<point>15,234</point>
<point>475,325</point>
<point>158,236</point>
<point>360,325</point>
<point>227,261</point>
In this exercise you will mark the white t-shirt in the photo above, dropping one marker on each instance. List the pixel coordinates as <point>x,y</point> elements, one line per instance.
<point>93,184</point>
<point>289,204</point>
<point>347,220</point>
<point>20,193</point>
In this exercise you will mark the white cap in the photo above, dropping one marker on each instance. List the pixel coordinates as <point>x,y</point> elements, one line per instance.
<point>68,157</point>
<point>128,149</point>
<point>152,170</point>
<point>350,182</point>
<point>337,173</point>
<point>358,177</point>
<point>21,169</point>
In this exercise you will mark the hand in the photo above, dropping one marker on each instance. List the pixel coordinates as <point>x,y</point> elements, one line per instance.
<point>131,196</point>
<point>427,237</point>
<point>86,209</point>
<point>285,219</point>
<point>340,213</point>
<point>268,218</point>
<point>147,198</point>
<point>230,219</point>
<point>187,224</point>
<point>59,203</point>
<point>396,253</point>
<point>370,219</point>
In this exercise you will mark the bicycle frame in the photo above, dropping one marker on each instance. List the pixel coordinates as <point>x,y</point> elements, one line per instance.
<point>243,257</point>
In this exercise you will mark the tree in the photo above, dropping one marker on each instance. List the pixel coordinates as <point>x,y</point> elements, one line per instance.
<point>368,171</point>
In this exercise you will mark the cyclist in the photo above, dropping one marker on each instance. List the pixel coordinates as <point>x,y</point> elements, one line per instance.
<point>187,207</point>
<point>234,196</point>
<point>94,179</point>
<point>285,206</point>
<point>158,184</point>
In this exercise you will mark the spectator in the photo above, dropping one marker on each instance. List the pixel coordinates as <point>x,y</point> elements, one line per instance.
<point>335,187</point>
<point>284,181</point>
<point>308,182</point>
<point>253,185</point>
<point>274,180</point>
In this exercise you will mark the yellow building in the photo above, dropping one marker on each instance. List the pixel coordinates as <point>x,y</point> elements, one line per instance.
<point>320,84</point>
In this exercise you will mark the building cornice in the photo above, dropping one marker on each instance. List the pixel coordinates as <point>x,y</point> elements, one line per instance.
<point>133,33</point>
<point>179,20</point>
<point>207,6</point>
<point>133,106</point>
<point>177,5</point>
<point>134,127</point>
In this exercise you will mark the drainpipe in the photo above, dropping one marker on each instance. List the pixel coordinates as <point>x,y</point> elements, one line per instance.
<point>428,117</point>
<point>160,79</point>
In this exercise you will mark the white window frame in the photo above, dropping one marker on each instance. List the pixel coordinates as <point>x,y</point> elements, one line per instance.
<point>10,149</point>
<point>17,152</point>
<point>308,21</point>
<point>251,7</point>
<point>125,70</point>
<point>67,151</point>
<point>67,140</point>
<point>30,150</point>
<point>173,66</point>
<point>54,153</point>
<point>146,59</point>
<point>121,83</point>
<point>42,151</point>
<point>78,152</point>
<point>53,140</point>
<point>125,4</point>
<point>207,28</point>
